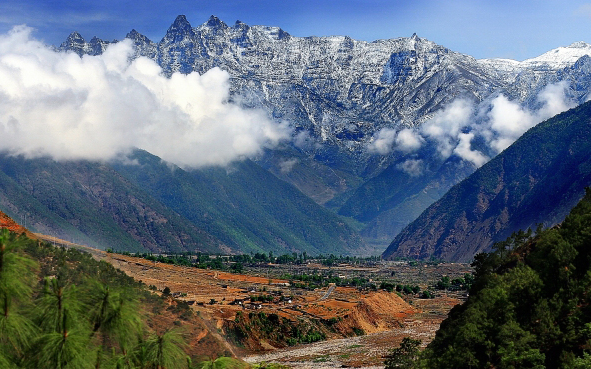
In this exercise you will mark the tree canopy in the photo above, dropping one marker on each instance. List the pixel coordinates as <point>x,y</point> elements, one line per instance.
<point>59,308</point>
<point>529,306</point>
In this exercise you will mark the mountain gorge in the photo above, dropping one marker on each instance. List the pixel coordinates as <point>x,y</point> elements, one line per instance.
<point>366,121</point>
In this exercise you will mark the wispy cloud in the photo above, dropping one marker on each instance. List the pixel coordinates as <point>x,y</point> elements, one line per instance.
<point>287,165</point>
<point>412,167</point>
<point>452,130</point>
<point>386,140</point>
<point>583,10</point>
<point>444,128</point>
<point>508,120</point>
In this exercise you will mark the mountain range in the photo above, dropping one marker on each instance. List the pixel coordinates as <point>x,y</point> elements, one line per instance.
<point>339,95</point>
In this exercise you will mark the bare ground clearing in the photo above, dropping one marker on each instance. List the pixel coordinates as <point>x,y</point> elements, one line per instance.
<point>385,317</point>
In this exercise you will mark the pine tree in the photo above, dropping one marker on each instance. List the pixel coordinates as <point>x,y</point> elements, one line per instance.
<point>166,350</point>
<point>16,280</point>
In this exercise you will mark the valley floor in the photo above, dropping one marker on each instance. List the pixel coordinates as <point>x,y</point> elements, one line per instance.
<point>384,317</point>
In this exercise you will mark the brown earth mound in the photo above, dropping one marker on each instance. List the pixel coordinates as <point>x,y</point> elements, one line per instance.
<point>8,223</point>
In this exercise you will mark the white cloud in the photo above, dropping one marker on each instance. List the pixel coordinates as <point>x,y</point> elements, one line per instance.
<point>100,107</point>
<point>554,99</point>
<point>287,165</point>
<point>508,120</point>
<point>408,140</point>
<point>497,123</point>
<point>387,139</point>
<point>412,167</point>
<point>304,141</point>
<point>464,150</point>
<point>383,141</point>
<point>447,124</point>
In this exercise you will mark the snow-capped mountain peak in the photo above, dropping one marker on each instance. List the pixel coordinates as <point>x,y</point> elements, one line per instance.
<point>180,29</point>
<point>340,95</point>
<point>215,22</point>
<point>137,37</point>
<point>553,60</point>
<point>560,57</point>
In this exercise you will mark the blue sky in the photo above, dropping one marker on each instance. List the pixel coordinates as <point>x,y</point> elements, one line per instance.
<point>517,29</point>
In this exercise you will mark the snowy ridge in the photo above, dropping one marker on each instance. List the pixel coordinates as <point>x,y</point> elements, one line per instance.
<point>560,57</point>
<point>555,59</point>
<point>342,91</point>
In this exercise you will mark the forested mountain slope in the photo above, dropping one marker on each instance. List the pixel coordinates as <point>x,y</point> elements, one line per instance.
<point>153,205</point>
<point>244,206</point>
<point>538,179</point>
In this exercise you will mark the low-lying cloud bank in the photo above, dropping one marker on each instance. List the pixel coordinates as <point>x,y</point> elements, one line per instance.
<point>497,123</point>
<point>100,107</point>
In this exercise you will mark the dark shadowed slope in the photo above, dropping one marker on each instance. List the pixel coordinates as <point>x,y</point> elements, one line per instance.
<point>538,179</point>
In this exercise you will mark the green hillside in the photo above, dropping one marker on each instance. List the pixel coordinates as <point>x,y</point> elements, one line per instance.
<point>153,206</point>
<point>538,179</point>
<point>90,203</point>
<point>244,206</point>
<point>60,308</point>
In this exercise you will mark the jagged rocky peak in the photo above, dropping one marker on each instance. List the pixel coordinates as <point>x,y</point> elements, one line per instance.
<point>75,42</point>
<point>274,33</point>
<point>179,29</point>
<point>181,22</point>
<point>415,42</point>
<point>241,25</point>
<point>136,36</point>
<point>143,46</point>
<point>347,43</point>
<point>96,46</point>
<point>240,35</point>
<point>412,42</point>
<point>74,38</point>
<point>415,56</point>
<point>215,22</point>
